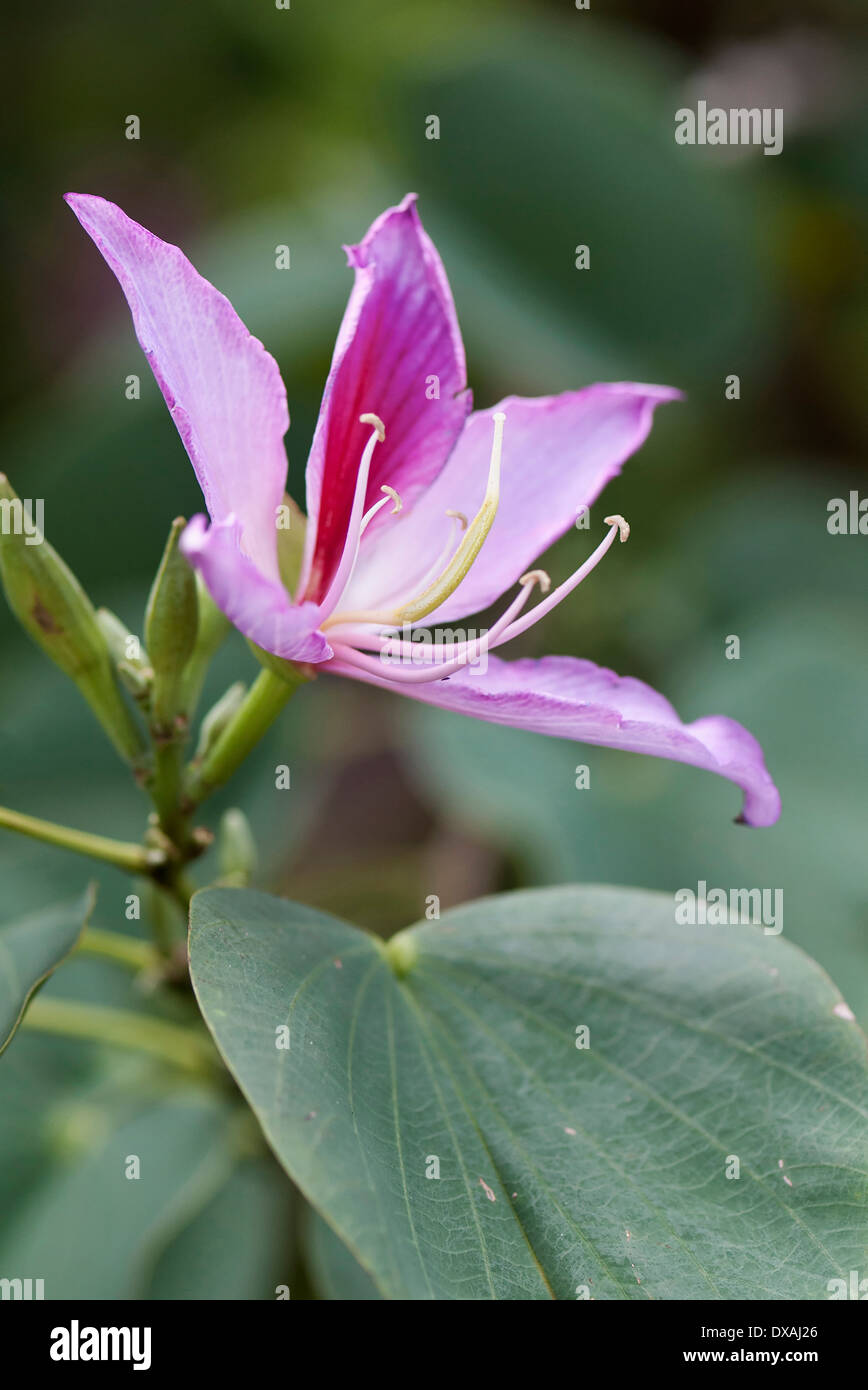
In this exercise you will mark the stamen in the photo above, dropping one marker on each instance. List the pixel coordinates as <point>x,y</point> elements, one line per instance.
<point>369,419</point>
<point>350,552</point>
<point>618,527</point>
<point>391,496</point>
<point>471,544</point>
<point>622,525</point>
<point>449,656</point>
<point>381,616</point>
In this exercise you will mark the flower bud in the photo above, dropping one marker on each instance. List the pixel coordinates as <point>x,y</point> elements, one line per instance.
<point>213,628</point>
<point>236,849</point>
<point>218,717</point>
<point>122,645</point>
<point>54,610</point>
<point>171,624</point>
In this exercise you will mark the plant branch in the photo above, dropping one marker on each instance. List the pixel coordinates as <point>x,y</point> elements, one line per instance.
<point>169,1042</point>
<point>258,711</point>
<point>135,859</point>
<point>125,950</point>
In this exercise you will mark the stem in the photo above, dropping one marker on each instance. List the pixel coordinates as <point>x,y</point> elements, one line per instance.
<point>124,855</point>
<point>119,1028</point>
<point>166,788</point>
<point>125,950</point>
<point>262,704</point>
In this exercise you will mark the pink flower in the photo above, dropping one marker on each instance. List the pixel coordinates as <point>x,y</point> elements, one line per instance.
<point>417,508</point>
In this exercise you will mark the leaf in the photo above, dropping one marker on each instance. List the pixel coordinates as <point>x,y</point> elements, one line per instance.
<point>30,950</point>
<point>337,1276</point>
<point>235,1248</point>
<point>184,1158</point>
<point>564,1171</point>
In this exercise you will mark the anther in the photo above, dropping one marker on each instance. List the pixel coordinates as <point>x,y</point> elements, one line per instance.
<point>537,577</point>
<point>622,525</point>
<point>374,420</point>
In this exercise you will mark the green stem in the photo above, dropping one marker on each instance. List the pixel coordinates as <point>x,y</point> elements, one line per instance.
<point>262,704</point>
<point>125,950</point>
<point>166,789</point>
<point>133,858</point>
<point>119,1028</point>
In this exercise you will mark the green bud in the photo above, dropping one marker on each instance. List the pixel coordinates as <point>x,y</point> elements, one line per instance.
<point>122,645</point>
<point>236,849</point>
<point>171,625</point>
<point>137,681</point>
<point>54,610</point>
<point>291,524</point>
<point>219,716</point>
<point>129,657</point>
<point>213,627</point>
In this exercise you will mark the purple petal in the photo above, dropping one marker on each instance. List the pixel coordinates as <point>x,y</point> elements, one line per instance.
<point>223,389</point>
<point>558,454</point>
<point>569,698</point>
<point>398,334</point>
<point>259,607</point>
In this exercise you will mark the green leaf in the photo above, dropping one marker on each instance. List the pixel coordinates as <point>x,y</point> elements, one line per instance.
<point>563,1171</point>
<point>30,950</point>
<point>180,1144</point>
<point>337,1276</point>
<point>236,1247</point>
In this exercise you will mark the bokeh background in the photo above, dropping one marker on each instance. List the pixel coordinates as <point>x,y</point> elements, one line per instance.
<point>262,127</point>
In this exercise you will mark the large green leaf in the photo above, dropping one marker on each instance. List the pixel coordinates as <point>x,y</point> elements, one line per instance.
<point>205,1218</point>
<point>563,1171</point>
<point>337,1276</point>
<point>236,1247</point>
<point>92,1185</point>
<point>29,950</point>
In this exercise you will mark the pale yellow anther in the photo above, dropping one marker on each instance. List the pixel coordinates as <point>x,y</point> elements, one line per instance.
<point>470,545</point>
<point>390,492</point>
<point>459,517</point>
<point>537,577</point>
<point>622,525</point>
<point>376,423</point>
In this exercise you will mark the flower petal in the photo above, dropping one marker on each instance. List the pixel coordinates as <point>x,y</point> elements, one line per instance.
<point>398,334</point>
<point>222,388</point>
<point>258,606</point>
<point>569,698</point>
<point>558,454</point>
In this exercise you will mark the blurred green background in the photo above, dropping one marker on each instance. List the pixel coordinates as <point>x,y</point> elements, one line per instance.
<point>262,127</point>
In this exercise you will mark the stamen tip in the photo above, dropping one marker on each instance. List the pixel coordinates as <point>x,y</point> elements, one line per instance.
<point>459,516</point>
<point>622,525</point>
<point>390,492</point>
<point>537,577</point>
<point>374,420</point>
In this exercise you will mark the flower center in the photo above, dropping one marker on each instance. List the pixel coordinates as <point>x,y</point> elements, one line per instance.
<point>448,575</point>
